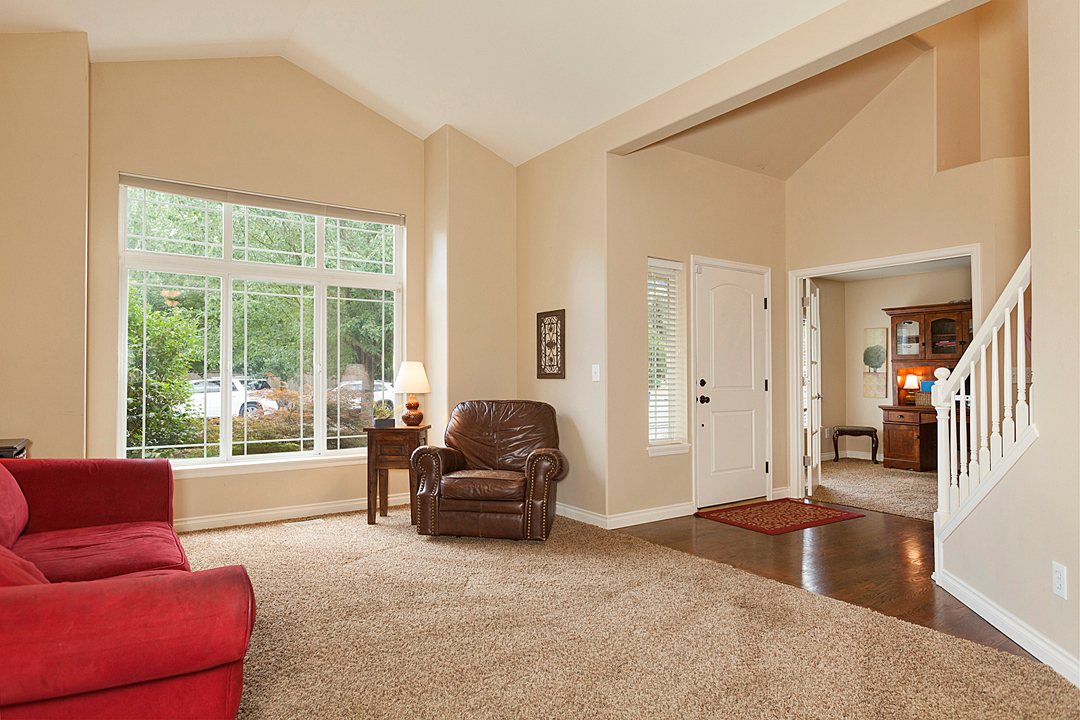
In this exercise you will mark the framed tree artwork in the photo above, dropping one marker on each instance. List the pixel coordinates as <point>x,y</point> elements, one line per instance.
<point>875,363</point>
<point>551,344</point>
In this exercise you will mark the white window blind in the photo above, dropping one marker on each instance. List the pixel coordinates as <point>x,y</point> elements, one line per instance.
<point>667,353</point>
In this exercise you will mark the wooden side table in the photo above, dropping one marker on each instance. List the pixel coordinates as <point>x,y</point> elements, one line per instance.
<point>390,449</point>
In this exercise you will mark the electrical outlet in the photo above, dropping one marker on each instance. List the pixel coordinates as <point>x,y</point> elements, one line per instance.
<point>596,373</point>
<point>1060,580</point>
<point>828,433</point>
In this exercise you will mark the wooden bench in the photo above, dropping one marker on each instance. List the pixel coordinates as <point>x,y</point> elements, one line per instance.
<point>856,430</point>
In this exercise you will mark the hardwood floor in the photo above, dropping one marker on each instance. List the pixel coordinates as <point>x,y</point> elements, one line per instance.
<point>882,562</point>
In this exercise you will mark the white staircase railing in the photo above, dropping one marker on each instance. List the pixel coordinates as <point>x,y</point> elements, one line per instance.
<point>979,423</point>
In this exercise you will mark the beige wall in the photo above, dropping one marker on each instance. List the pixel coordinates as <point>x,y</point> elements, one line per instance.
<point>873,191</point>
<point>864,301</point>
<point>561,257</point>
<point>44,152</point>
<point>256,124</point>
<point>562,220</point>
<point>482,273</point>
<point>1032,517</point>
<point>436,252</point>
<point>669,204</point>
<point>834,390</point>
<point>471,198</point>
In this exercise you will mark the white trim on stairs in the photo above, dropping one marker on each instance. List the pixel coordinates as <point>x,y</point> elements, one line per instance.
<point>1023,634</point>
<point>248,517</point>
<point>1026,439</point>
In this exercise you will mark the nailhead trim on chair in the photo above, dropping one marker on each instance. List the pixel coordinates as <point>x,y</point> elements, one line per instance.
<point>528,503</point>
<point>547,490</point>
<point>436,472</point>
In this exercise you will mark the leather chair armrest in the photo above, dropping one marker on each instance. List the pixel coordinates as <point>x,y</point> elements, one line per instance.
<point>546,461</point>
<point>543,468</point>
<point>430,463</point>
<point>70,638</point>
<point>63,494</point>
<point>434,462</point>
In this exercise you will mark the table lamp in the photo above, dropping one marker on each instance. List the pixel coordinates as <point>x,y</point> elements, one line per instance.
<point>412,379</point>
<point>912,383</point>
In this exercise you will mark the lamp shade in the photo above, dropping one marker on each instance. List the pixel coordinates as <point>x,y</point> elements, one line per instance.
<point>912,382</point>
<point>411,378</point>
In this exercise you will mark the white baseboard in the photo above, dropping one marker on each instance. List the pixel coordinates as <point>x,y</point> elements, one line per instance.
<point>857,454</point>
<point>637,517</point>
<point>780,493</point>
<point>248,517</point>
<point>585,516</point>
<point>1023,634</point>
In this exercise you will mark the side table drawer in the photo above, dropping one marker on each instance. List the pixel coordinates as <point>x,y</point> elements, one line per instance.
<point>912,418</point>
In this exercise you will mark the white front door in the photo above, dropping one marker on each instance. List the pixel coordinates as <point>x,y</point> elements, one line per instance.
<point>811,382</point>
<point>730,392</point>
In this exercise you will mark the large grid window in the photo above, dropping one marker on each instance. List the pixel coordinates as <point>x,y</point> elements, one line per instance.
<point>667,353</point>
<point>255,325</point>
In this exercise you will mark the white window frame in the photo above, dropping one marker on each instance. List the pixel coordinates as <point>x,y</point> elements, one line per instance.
<point>676,406</point>
<point>229,269</point>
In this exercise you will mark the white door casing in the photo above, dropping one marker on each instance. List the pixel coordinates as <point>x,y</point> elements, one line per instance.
<point>811,383</point>
<point>731,409</point>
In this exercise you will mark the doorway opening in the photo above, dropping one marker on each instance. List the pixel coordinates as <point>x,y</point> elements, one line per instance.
<point>882,327</point>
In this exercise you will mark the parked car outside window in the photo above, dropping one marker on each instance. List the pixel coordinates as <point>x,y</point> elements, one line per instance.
<point>247,396</point>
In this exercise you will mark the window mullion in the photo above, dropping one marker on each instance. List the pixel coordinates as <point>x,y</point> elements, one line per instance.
<point>319,410</point>
<point>225,425</point>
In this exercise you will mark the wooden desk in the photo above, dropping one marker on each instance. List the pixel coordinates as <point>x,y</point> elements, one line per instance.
<point>390,449</point>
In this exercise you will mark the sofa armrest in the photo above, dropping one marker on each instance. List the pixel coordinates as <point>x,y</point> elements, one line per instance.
<point>63,494</point>
<point>79,637</point>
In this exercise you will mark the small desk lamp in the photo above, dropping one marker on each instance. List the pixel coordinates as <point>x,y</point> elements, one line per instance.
<point>912,383</point>
<point>412,379</point>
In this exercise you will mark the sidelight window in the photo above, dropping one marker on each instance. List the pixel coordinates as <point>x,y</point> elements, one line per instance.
<point>666,318</point>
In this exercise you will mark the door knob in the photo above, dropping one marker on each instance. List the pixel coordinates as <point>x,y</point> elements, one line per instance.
<point>701,382</point>
<point>703,399</point>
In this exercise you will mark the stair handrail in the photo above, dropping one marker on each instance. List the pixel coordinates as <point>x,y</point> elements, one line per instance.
<point>942,391</point>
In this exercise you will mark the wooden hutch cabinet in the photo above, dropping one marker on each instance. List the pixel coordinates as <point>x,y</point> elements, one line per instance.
<point>922,338</point>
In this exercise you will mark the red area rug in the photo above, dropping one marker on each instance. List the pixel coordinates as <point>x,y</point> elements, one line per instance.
<point>778,516</point>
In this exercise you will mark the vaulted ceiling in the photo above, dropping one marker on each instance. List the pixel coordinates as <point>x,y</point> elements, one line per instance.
<point>519,77</point>
<point>778,133</point>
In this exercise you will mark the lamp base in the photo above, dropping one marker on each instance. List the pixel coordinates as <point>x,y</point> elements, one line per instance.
<point>412,415</point>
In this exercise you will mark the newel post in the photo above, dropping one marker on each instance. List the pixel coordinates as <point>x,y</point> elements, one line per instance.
<point>944,460</point>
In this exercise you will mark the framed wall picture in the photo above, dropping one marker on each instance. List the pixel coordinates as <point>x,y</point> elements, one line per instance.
<point>875,360</point>
<point>551,344</point>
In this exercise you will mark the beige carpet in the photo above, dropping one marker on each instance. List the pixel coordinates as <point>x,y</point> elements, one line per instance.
<point>862,484</point>
<point>360,621</point>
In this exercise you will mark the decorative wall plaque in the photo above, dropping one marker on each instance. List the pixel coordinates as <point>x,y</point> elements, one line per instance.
<point>551,344</point>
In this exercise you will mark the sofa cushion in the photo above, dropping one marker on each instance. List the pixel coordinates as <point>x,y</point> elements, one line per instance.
<point>483,485</point>
<point>103,551</point>
<point>15,570</point>
<point>13,511</point>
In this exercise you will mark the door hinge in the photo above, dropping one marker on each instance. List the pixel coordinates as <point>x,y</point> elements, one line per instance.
<point>766,303</point>
<point>806,302</point>
<point>766,385</point>
<point>766,467</point>
<point>697,269</point>
<point>806,461</point>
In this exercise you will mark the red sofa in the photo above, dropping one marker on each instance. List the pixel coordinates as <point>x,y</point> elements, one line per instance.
<point>100,614</point>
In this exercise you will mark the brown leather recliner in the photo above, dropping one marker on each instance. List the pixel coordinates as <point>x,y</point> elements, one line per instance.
<point>497,475</point>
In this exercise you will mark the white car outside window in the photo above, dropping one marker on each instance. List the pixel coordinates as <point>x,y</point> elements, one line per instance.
<point>206,398</point>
